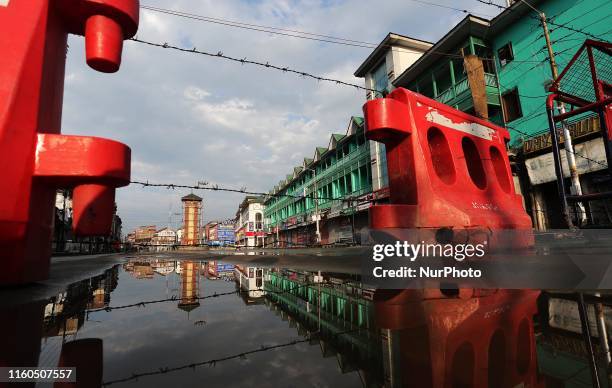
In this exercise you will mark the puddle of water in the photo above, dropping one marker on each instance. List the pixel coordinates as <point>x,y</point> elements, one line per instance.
<point>160,322</point>
<point>203,324</point>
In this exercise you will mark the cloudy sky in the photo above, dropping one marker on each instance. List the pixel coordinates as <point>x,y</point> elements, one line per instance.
<point>189,117</point>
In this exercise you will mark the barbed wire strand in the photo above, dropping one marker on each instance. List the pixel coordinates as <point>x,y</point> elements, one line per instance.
<point>213,362</point>
<point>244,60</point>
<point>243,191</point>
<point>175,298</point>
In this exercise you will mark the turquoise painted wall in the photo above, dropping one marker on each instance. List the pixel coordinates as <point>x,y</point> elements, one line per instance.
<point>530,68</point>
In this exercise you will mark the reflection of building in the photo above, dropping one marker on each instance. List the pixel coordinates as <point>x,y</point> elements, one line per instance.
<point>192,218</point>
<point>163,267</point>
<point>139,269</point>
<point>190,285</point>
<point>250,280</point>
<point>219,270</point>
<point>65,313</point>
<point>323,309</point>
<point>249,222</point>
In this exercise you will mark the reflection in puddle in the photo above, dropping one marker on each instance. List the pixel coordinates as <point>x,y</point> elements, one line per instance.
<point>189,323</point>
<point>157,322</point>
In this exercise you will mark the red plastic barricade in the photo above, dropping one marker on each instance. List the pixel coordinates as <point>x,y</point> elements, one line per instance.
<point>450,171</point>
<point>35,158</point>
<point>446,169</point>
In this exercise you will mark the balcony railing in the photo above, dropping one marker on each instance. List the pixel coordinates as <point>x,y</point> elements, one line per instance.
<point>462,86</point>
<point>322,205</point>
<point>361,152</point>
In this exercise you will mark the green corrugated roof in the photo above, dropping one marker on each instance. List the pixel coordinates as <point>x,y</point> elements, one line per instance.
<point>321,150</point>
<point>358,120</point>
<point>307,161</point>
<point>337,136</point>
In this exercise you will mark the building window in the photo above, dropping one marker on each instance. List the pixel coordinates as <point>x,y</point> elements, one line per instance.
<point>505,54</point>
<point>380,81</point>
<point>512,105</point>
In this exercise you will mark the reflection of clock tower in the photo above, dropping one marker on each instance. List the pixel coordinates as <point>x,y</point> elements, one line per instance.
<point>190,286</point>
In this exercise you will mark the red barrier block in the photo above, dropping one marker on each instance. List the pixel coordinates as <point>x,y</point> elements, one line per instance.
<point>35,158</point>
<point>449,172</point>
<point>446,169</point>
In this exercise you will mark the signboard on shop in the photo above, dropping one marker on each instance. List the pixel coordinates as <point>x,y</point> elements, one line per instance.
<point>541,169</point>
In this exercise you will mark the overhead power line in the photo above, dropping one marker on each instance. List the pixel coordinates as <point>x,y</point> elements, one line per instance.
<point>462,10</point>
<point>252,62</point>
<point>262,28</point>
<point>288,31</point>
<point>296,33</point>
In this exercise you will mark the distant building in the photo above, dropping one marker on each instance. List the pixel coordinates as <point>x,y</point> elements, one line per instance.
<point>210,231</point>
<point>65,241</point>
<point>249,228</point>
<point>144,234</point>
<point>192,219</point>
<point>164,237</point>
<point>219,232</point>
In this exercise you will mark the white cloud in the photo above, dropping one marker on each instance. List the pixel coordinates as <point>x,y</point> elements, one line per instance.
<point>195,93</point>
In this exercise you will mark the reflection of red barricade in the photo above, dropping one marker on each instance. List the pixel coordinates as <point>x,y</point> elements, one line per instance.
<point>86,356</point>
<point>449,171</point>
<point>34,157</point>
<point>479,338</point>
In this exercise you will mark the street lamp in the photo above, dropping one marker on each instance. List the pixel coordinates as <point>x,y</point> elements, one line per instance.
<point>316,199</point>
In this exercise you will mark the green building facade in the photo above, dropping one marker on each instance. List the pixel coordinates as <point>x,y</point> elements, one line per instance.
<point>517,73</point>
<point>440,73</point>
<point>322,186</point>
<point>524,71</point>
<point>524,74</point>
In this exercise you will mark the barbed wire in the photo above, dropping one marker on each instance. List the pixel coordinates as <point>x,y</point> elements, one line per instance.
<point>213,362</point>
<point>244,60</point>
<point>244,191</point>
<point>175,298</point>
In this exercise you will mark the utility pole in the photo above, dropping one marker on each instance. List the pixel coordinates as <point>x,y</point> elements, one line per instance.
<point>575,187</point>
